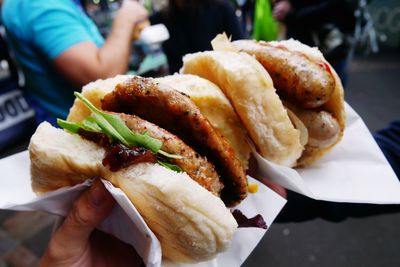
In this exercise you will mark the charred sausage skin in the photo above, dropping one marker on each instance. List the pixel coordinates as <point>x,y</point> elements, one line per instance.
<point>296,77</point>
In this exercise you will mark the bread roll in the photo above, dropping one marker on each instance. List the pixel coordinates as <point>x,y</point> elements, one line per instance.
<point>216,107</point>
<point>191,223</point>
<point>250,90</point>
<point>60,159</point>
<point>94,92</point>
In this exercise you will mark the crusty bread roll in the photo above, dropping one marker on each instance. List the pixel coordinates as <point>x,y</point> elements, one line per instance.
<point>191,223</point>
<point>250,90</point>
<point>216,107</point>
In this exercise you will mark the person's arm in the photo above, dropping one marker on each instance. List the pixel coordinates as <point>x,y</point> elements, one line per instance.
<point>84,62</point>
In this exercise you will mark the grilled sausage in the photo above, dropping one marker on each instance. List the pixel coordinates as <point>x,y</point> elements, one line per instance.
<point>296,77</point>
<point>323,128</point>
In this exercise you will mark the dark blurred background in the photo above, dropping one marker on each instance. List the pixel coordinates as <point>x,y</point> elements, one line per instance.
<point>369,240</point>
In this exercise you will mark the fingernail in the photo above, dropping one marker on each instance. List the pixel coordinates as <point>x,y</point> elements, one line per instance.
<point>97,194</point>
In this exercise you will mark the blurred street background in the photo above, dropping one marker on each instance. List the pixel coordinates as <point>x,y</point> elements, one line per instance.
<point>373,91</point>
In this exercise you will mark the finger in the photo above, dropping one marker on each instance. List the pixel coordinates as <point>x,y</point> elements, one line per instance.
<point>88,211</point>
<point>91,208</point>
<point>114,252</point>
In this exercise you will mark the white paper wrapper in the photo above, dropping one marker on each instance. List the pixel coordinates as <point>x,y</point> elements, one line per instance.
<point>354,171</point>
<point>124,221</point>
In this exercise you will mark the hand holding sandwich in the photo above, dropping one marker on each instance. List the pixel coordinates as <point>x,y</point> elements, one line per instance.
<point>76,243</point>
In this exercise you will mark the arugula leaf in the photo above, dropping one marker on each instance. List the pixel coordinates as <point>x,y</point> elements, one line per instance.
<point>115,127</point>
<point>73,127</point>
<point>107,122</point>
<point>170,166</point>
<point>168,155</point>
<point>90,124</point>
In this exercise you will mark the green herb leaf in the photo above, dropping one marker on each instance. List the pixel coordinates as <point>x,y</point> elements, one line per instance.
<point>170,166</point>
<point>144,140</point>
<point>73,127</point>
<point>90,124</point>
<point>168,155</point>
<point>113,126</point>
<point>107,122</point>
<point>116,128</point>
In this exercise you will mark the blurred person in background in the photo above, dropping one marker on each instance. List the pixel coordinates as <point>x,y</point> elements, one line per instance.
<point>326,24</point>
<point>192,25</point>
<point>59,49</point>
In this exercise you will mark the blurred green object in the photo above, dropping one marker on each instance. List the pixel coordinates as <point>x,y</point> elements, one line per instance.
<point>265,27</point>
<point>150,62</point>
<point>148,5</point>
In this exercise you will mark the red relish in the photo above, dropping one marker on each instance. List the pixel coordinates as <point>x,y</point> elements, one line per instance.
<point>117,155</point>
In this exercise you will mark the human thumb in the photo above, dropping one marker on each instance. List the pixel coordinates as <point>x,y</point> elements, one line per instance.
<point>70,241</point>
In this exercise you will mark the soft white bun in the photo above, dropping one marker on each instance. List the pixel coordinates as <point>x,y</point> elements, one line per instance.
<point>249,88</point>
<point>191,223</point>
<point>94,92</point>
<point>214,105</point>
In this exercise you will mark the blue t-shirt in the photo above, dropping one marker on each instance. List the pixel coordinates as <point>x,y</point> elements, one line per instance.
<point>39,31</point>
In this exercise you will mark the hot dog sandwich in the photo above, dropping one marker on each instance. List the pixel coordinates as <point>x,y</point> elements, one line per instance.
<point>291,104</point>
<point>309,87</point>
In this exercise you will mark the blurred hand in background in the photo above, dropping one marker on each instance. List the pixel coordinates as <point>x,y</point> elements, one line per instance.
<point>132,11</point>
<point>281,9</point>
